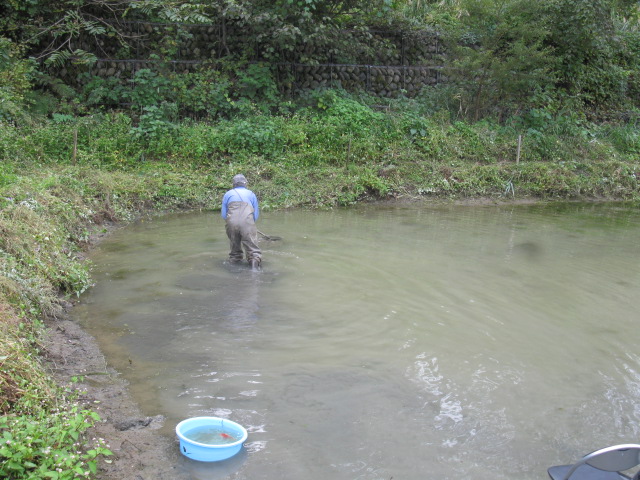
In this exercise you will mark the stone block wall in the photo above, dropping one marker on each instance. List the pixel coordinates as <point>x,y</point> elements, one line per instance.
<point>388,65</point>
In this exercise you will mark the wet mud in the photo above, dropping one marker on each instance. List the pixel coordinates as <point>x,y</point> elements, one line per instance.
<point>140,452</point>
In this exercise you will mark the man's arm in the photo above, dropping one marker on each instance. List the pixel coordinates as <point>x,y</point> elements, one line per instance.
<point>225,201</point>
<point>256,208</point>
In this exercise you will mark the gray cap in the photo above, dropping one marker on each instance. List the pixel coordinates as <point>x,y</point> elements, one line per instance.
<point>239,181</point>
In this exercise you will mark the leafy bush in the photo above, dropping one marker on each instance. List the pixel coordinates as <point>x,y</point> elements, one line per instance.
<point>594,62</point>
<point>625,138</point>
<point>203,93</point>
<point>101,91</point>
<point>257,135</point>
<point>343,111</point>
<point>50,445</point>
<point>156,121</point>
<point>16,76</point>
<point>256,82</point>
<point>148,89</point>
<point>339,124</point>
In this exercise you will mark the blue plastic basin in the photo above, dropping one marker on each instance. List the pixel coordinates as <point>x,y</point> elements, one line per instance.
<point>209,452</point>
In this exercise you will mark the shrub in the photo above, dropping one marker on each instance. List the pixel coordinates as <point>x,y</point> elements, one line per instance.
<point>50,445</point>
<point>16,76</point>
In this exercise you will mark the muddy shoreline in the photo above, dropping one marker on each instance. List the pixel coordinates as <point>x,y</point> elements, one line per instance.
<point>140,452</point>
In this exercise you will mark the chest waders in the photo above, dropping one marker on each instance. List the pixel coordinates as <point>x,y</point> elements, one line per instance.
<point>243,234</point>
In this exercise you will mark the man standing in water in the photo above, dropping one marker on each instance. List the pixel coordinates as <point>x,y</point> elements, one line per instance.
<point>240,211</point>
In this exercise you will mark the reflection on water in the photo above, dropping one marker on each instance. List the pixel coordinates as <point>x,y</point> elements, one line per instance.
<point>412,342</point>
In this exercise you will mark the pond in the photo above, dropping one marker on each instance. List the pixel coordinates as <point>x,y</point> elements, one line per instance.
<point>379,342</point>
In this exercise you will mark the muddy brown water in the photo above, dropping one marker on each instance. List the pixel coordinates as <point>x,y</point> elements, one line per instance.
<point>402,342</point>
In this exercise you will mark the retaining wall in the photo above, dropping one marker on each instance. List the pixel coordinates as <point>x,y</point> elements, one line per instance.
<point>386,64</point>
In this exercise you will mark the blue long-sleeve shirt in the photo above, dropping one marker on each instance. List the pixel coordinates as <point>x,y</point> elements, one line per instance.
<point>240,194</point>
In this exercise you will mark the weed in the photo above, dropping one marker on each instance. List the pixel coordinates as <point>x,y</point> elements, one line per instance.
<point>50,444</point>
